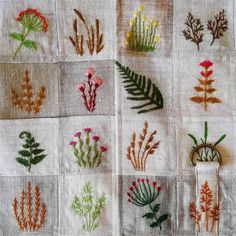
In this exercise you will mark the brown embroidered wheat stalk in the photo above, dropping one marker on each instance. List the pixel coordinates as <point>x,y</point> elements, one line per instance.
<point>138,156</point>
<point>34,221</point>
<point>26,100</point>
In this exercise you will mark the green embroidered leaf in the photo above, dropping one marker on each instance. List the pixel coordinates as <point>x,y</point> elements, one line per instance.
<point>22,161</point>
<point>159,221</point>
<point>156,207</point>
<point>193,138</point>
<point>30,44</point>
<point>37,159</point>
<point>24,153</point>
<point>220,140</point>
<point>16,36</point>
<point>37,151</point>
<point>141,89</point>
<point>26,146</point>
<point>149,215</point>
<point>30,141</point>
<point>35,145</point>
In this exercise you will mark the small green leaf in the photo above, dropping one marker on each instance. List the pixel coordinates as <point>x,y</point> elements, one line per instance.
<point>22,161</point>
<point>220,140</point>
<point>193,138</point>
<point>16,36</point>
<point>149,215</point>
<point>30,44</point>
<point>37,159</point>
<point>156,207</point>
<point>159,221</point>
<point>35,145</point>
<point>24,153</point>
<point>154,224</point>
<point>31,141</point>
<point>26,146</point>
<point>37,151</point>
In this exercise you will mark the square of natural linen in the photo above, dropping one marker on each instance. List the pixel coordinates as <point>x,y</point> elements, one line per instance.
<point>44,131</point>
<point>164,159</point>
<point>15,77</point>
<point>12,187</point>
<point>104,11</point>
<point>99,126</point>
<point>72,74</point>
<point>71,186</point>
<point>132,221</point>
<point>46,41</point>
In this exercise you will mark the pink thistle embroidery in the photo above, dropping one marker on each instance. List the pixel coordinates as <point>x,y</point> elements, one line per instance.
<point>89,72</point>
<point>72,143</point>
<point>207,73</point>
<point>87,130</point>
<point>206,64</point>
<point>154,183</point>
<point>95,138</point>
<point>103,149</point>
<point>78,134</point>
<point>134,183</point>
<point>159,188</point>
<point>98,81</point>
<point>131,188</point>
<point>142,180</point>
<point>80,87</point>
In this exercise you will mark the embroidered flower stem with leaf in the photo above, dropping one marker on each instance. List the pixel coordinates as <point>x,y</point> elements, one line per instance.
<point>30,154</point>
<point>141,89</point>
<point>32,21</point>
<point>86,151</point>
<point>31,214</point>
<point>86,207</point>
<point>91,85</point>
<point>194,30</point>
<point>205,86</point>
<point>142,35</point>
<point>143,193</point>
<point>25,100</point>
<point>208,212</point>
<point>139,153</point>
<point>206,154</point>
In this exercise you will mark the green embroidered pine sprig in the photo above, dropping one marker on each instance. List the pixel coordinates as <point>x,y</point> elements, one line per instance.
<point>141,89</point>
<point>85,207</point>
<point>30,154</point>
<point>206,154</point>
<point>143,193</point>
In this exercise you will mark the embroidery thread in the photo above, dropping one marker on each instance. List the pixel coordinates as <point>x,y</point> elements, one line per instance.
<point>87,153</point>
<point>194,31</point>
<point>29,219</point>
<point>142,35</point>
<point>92,86</point>
<point>30,154</point>
<point>217,26</point>
<point>94,37</point>
<point>206,154</point>
<point>32,21</point>
<point>205,86</point>
<point>141,89</point>
<point>87,209</point>
<point>143,193</point>
<point>26,100</point>
<point>208,212</point>
<point>138,155</point>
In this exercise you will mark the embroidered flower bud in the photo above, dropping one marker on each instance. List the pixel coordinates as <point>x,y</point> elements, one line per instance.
<point>138,180</point>
<point>147,180</point>
<point>159,188</point>
<point>155,23</point>
<point>147,26</point>
<point>89,72</point>
<point>154,183</point>
<point>98,81</point>
<point>134,183</point>
<point>142,180</point>
<point>206,74</point>
<point>72,143</point>
<point>140,8</point>
<point>131,188</point>
<point>128,194</point>
<point>144,18</point>
<point>87,130</point>
<point>129,200</point>
<point>95,138</point>
<point>157,38</point>
<point>78,134</point>
<point>103,149</point>
<point>135,14</point>
<point>126,43</point>
<point>206,64</point>
<point>131,22</point>
<point>128,34</point>
<point>80,87</point>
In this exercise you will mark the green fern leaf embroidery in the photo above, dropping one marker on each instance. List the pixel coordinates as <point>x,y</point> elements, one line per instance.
<point>141,89</point>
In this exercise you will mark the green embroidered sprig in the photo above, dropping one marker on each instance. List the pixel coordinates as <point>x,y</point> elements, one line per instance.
<point>143,193</point>
<point>30,153</point>
<point>85,207</point>
<point>206,154</point>
<point>141,89</point>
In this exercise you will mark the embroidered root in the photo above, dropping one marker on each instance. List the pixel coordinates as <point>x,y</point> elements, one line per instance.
<point>138,154</point>
<point>29,219</point>
<point>26,100</point>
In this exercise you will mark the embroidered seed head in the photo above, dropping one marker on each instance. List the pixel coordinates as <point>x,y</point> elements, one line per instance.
<point>78,134</point>
<point>95,138</point>
<point>89,72</point>
<point>87,130</point>
<point>98,81</point>
<point>103,149</point>
<point>206,64</point>
<point>72,143</point>
<point>80,87</point>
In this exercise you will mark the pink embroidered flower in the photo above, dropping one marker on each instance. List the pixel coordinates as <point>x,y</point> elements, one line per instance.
<point>142,180</point>
<point>72,143</point>
<point>147,180</point>
<point>134,183</point>
<point>78,134</point>
<point>154,183</point>
<point>206,64</point>
<point>89,72</point>
<point>87,130</point>
<point>207,73</point>
<point>103,149</point>
<point>159,188</point>
<point>80,87</point>
<point>98,81</point>
<point>131,188</point>
<point>95,138</point>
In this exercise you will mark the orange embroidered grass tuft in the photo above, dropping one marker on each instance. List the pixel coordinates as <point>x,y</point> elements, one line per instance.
<point>195,214</point>
<point>138,156</point>
<point>34,221</point>
<point>26,101</point>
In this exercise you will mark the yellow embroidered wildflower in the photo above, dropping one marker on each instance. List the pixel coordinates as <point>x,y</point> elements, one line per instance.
<point>144,18</point>
<point>157,38</point>
<point>152,20</point>
<point>135,14</point>
<point>128,34</point>
<point>131,22</point>
<point>140,8</point>
<point>126,43</point>
<point>147,26</point>
<point>155,23</point>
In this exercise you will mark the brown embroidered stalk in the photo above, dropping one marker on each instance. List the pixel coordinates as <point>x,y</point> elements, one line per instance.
<point>205,87</point>
<point>138,156</point>
<point>26,100</point>
<point>34,221</point>
<point>210,211</point>
<point>218,26</point>
<point>194,30</point>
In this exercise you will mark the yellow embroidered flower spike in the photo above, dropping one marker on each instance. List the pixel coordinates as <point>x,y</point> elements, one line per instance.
<point>142,36</point>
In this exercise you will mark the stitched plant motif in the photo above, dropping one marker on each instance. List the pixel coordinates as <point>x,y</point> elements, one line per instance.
<point>208,211</point>
<point>144,193</point>
<point>31,214</point>
<point>218,26</point>
<point>32,21</point>
<point>87,208</point>
<point>142,34</point>
<point>86,150</point>
<point>194,31</point>
<point>94,38</point>
<point>141,89</point>
<point>92,84</point>
<point>30,154</point>
<point>26,100</point>
<point>205,87</point>
<point>206,154</point>
<point>139,150</point>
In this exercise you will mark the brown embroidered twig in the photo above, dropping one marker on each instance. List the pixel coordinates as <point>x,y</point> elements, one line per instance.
<point>99,38</point>
<point>138,156</point>
<point>34,221</point>
<point>26,100</point>
<point>218,26</point>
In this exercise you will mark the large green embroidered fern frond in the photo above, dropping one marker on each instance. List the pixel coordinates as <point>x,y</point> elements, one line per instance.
<point>141,89</point>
